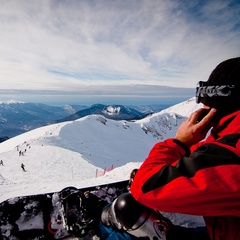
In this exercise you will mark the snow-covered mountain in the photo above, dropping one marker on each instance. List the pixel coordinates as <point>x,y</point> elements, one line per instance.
<point>70,153</point>
<point>18,117</point>
<point>115,112</point>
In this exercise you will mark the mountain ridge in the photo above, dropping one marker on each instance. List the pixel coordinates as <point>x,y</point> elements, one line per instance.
<point>114,111</point>
<point>18,117</point>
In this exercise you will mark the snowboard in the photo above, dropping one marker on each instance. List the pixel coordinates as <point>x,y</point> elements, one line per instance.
<point>69,214</point>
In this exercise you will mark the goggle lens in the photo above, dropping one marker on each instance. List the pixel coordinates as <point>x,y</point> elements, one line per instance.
<point>203,91</point>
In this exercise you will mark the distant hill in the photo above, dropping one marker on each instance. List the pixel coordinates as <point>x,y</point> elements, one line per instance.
<point>3,138</point>
<point>115,112</point>
<point>19,117</point>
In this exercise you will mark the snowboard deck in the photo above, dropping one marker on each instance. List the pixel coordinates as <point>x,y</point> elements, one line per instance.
<point>54,215</point>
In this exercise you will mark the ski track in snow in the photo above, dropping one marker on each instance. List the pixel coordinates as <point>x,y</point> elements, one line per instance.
<point>69,153</point>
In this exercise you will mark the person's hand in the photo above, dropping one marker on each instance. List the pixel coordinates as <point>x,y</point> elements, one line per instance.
<point>194,129</point>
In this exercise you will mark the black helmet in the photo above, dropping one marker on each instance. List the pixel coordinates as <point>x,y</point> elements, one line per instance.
<point>222,89</point>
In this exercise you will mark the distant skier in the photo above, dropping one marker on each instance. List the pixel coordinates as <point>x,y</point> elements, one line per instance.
<point>1,162</point>
<point>23,167</point>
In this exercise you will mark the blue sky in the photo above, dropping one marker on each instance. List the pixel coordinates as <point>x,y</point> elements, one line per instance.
<point>113,51</point>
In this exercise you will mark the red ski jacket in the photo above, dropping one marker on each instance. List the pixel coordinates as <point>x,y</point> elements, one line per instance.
<point>204,181</point>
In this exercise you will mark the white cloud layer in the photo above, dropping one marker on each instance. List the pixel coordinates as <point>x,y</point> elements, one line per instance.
<point>59,45</point>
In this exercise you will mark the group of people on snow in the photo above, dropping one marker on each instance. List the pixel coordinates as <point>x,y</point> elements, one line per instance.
<point>22,165</point>
<point>21,153</point>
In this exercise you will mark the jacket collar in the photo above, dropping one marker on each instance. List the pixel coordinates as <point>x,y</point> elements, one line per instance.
<point>228,124</point>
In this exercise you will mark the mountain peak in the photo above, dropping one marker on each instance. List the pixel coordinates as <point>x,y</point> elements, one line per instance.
<point>115,112</point>
<point>11,102</point>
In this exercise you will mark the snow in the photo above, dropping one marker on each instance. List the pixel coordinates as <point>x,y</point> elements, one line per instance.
<point>70,109</point>
<point>33,222</point>
<point>70,153</point>
<point>112,110</point>
<point>11,102</point>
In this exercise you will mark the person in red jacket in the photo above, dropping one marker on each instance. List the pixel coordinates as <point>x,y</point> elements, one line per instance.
<point>199,175</point>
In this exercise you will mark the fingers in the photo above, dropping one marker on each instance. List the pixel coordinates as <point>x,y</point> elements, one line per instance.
<point>208,117</point>
<point>195,128</point>
<point>202,116</point>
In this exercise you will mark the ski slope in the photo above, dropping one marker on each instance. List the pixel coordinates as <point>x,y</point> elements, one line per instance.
<point>70,153</point>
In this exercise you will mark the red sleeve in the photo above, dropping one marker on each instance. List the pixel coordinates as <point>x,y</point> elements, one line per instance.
<point>206,183</point>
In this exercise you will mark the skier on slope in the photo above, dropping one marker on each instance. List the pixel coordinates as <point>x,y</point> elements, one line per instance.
<point>190,176</point>
<point>23,167</point>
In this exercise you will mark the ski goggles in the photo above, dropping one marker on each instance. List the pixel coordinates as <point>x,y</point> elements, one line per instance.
<point>203,91</point>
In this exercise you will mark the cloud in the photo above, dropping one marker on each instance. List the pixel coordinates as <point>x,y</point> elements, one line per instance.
<point>66,45</point>
<point>106,94</point>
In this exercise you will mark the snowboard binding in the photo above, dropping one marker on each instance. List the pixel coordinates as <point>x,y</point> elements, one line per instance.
<point>76,212</point>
